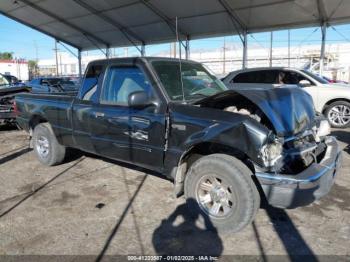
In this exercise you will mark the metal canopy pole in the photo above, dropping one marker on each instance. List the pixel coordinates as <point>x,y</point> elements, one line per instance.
<point>288,48</point>
<point>323,46</point>
<point>56,57</point>
<point>245,50</point>
<point>271,40</point>
<point>79,64</point>
<point>187,48</point>
<point>108,52</point>
<point>143,50</point>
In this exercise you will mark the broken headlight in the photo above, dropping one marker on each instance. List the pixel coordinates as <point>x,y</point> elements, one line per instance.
<point>324,129</point>
<point>271,152</point>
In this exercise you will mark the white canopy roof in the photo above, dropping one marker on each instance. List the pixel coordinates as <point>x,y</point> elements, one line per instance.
<point>91,24</point>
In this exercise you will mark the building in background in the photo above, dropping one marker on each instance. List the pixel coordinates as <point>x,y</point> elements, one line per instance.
<point>67,64</point>
<point>229,58</point>
<point>16,67</point>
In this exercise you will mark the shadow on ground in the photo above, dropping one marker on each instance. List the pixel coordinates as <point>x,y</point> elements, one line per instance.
<point>342,135</point>
<point>180,234</point>
<point>288,233</point>
<point>35,191</point>
<point>8,127</point>
<point>13,155</point>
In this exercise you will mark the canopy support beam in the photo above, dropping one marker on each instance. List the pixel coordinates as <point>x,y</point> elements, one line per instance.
<point>38,29</point>
<point>245,50</point>
<point>288,47</point>
<point>187,48</point>
<point>79,64</point>
<point>68,49</point>
<point>125,31</point>
<point>143,50</point>
<point>237,23</point>
<point>271,47</point>
<point>322,14</point>
<point>63,21</point>
<point>56,56</point>
<point>166,19</point>
<point>323,46</point>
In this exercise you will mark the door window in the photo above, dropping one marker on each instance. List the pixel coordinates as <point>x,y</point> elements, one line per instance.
<point>294,78</point>
<point>120,82</point>
<point>258,77</point>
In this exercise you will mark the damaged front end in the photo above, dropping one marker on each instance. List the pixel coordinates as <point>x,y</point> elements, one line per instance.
<point>298,161</point>
<point>7,105</point>
<point>299,169</point>
<point>293,154</point>
<point>7,113</point>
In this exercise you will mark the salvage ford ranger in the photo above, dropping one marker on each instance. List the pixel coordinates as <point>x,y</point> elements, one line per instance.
<point>225,149</point>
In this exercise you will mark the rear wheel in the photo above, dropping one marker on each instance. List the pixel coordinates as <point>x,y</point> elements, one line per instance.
<point>220,188</point>
<point>338,114</point>
<point>46,147</point>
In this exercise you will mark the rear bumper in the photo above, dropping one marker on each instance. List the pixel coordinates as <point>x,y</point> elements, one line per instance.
<point>7,115</point>
<point>290,191</point>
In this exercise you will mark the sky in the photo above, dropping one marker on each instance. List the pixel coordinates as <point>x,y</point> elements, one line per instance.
<point>27,43</point>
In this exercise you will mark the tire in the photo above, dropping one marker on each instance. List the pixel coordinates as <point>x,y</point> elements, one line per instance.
<point>338,114</point>
<point>237,184</point>
<point>48,151</point>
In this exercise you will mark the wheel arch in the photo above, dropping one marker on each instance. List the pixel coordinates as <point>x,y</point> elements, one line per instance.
<point>333,101</point>
<point>203,149</point>
<point>35,120</point>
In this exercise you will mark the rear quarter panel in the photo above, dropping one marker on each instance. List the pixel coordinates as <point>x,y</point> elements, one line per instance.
<point>55,109</point>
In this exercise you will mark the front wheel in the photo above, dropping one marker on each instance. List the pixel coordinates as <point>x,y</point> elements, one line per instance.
<point>46,147</point>
<point>220,188</point>
<point>338,114</point>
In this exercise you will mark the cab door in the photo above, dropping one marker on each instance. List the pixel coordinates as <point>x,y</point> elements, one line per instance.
<point>123,133</point>
<point>83,106</point>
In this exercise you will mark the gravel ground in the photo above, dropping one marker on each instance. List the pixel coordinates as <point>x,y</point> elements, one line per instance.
<point>91,206</point>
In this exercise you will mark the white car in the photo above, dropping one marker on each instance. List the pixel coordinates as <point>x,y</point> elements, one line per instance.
<point>333,100</point>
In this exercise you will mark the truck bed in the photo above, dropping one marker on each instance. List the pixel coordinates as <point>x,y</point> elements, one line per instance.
<point>56,107</point>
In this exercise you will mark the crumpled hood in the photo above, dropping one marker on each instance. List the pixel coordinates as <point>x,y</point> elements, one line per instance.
<point>290,110</point>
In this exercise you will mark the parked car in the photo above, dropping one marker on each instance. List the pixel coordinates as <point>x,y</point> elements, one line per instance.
<point>7,96</point>
<point>52,85</point>
<point>12,80</point>
<point>333,100</point>
<point>221,147</point>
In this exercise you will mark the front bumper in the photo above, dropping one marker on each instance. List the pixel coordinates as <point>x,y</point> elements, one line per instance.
<point>290,191</point>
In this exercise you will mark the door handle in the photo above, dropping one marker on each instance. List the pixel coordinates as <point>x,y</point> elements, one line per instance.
<point>99,114</point>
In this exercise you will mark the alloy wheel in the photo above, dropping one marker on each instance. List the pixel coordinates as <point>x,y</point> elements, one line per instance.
<point>214,196</point>
<point>339,115</point>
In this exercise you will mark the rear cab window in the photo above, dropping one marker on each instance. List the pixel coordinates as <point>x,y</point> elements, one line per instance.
<point>88,90</point>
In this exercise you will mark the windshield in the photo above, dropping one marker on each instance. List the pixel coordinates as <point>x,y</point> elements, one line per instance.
<point>197,81</point>
<point>315,77</point>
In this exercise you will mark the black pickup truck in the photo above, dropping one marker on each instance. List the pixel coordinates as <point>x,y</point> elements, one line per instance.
<point>224,149</point>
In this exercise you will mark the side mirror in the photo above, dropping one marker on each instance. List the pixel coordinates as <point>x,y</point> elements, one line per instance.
<point>304,83</point>
<point>139,99</point>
